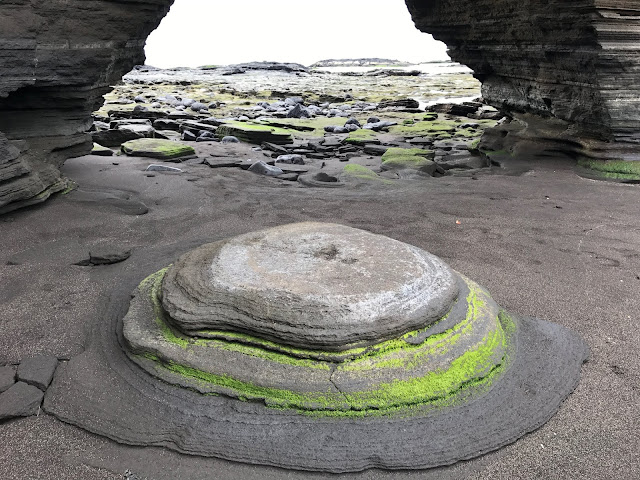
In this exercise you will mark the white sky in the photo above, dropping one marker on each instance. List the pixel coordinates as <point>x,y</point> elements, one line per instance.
<point>220,32</point>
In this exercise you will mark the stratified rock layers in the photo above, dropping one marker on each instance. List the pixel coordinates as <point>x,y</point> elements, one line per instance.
<point>318,317</point>
<point>467,380</point>
<point>576,60</point>
<point>58,59</point>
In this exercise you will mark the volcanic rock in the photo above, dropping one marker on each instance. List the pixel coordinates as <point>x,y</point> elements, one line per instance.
<point>7,377</point>
<point>156,148</point>
<point>37,371</point>
<point>574,61</point>
<point>262,168</point>
<point>21,400</point>
<point>279,327</point>
<point>254,133</point>
<point>101,151</point>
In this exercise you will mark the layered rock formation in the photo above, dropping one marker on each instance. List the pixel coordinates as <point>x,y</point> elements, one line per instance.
<point>575,60</point>
<point>58,58</point>
<point>316,347</point>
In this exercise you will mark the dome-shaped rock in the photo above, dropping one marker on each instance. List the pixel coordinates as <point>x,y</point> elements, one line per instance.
<point>323,347</point>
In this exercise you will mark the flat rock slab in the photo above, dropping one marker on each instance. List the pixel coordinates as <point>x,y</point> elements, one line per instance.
<point>21,400</point>
<point>37,371</point>
<point>7,377</point>
<point>255,133</point>
<point>157,148</point>
<point>223,162</point>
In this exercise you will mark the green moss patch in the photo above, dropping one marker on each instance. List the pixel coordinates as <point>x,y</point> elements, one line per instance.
<point>400,158</point>
<point>362,136</point>
<point>613,169</point>
<point>157,148</point>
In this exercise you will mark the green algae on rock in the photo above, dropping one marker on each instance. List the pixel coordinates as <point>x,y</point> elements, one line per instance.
<point>409,158</point>
<point>157,148</point>
<point>354,170</point>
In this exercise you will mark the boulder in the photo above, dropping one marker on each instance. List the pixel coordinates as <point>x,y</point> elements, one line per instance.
<point>157,148</point>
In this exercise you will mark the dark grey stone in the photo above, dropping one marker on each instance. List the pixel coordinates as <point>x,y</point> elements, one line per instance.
<point>377,126</point>
<point>292,101</point>
<point>21,400</point>
<point>188,136</point>
<point>298,111</point>
<point>7,377</point>
<point>293,159</point>
<point>197,107</point>
<point>220,162</point>
<point>114,138</point>
<point>336,129</point>
<point>37,371</point>
<point>290,177</point>
<point>166,124</point>
<point>262,168</point>
<point>377,150</point>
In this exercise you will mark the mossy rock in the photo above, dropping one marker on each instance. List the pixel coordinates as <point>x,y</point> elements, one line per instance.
<point>408,158</point>
<point>361,172</point>
<point>362,137</point>
<point>101,151</point>
<point>614,170</point>
<point>448,338</point>
<point>157,148</point>
<point>255,133</point>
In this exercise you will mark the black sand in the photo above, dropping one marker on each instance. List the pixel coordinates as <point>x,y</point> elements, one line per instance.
<point>547,244</point>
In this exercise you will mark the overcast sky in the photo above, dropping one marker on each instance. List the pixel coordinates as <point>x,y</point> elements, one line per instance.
<point>201,32</point>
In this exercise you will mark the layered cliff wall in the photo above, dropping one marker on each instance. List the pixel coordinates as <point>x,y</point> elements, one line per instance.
<point>575,60</point>
<point>57,59</point>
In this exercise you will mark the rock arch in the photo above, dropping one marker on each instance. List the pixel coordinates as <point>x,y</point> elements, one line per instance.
<point>575,60</point>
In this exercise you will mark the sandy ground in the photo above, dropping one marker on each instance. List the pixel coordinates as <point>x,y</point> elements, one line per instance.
<point>546,243</point>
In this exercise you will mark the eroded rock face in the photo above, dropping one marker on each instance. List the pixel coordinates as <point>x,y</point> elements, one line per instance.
<point>58,59</point>
<point>575,60</point>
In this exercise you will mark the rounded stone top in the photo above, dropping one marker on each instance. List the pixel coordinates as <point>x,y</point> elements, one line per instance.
<point>309,285</point>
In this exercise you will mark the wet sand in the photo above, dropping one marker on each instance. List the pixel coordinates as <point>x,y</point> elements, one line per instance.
<point>546,243</point>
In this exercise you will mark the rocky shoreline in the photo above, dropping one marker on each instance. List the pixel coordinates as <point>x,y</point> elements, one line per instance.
<point>322,129</point>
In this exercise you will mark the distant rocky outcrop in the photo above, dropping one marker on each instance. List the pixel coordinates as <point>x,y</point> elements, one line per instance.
<point>575,60</point>
<point>359,62</point>
<point>275,66</point>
